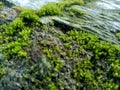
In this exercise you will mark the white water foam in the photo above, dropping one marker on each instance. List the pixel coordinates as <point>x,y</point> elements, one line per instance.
<point>109,4</point>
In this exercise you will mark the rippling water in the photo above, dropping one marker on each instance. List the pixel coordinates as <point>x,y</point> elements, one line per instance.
<point>102,18</point>
<point>109,4</point>
<point>35,4</point>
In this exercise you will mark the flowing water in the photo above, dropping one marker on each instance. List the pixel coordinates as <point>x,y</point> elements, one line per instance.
<point>35,4</point>
<point>102,18</point>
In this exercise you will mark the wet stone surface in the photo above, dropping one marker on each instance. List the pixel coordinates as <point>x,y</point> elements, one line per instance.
<point>7,14</point>
<point>100,19</point>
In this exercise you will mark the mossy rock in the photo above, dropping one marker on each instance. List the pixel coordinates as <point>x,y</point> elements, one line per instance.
<point>42,57</point>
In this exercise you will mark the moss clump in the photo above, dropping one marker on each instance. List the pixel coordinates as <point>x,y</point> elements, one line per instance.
<point>118,35</point>
<point>92,71</point>
<point>17,24</point>
<point>1,4</point>
<point>16,35</point>
<point>75,12</point>
<point>92,63</point>
<point>3,71</point>
<point>67,3</point>
<point>50,9</point>
<point>56,59</point>
<point>28,18</point>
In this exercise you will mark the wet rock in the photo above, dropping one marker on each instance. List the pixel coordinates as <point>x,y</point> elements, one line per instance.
<point>104,23</point>
<point>7,15</point>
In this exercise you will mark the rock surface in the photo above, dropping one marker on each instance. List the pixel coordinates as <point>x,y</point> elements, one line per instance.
<point>7,15</point>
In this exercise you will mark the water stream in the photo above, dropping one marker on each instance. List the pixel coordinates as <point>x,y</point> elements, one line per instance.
<point>34,4</point>
<point>102,18</point>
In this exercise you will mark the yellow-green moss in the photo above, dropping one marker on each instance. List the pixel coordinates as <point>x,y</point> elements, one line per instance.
<point>72,56</point>
<point>1,4</point>
<point>51,9</point>
<point>28,18</point>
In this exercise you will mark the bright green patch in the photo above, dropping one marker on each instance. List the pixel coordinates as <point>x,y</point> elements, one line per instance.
<point>48,59</point>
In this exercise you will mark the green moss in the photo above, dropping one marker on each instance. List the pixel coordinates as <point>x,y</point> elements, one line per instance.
<point>49,9</point>
<point>1,4</point>
<point>15,37</point>
<point>52,86</point>
<point>100,50</point>
<point>55,60</point>
<point>118,36</point>
<point>67,3</point>
<point>116,67</point>
<point>52,9</point>
<point>75,12</point>
<point>28,18</point>
<point>3,72</point>
<point>17,24</point>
